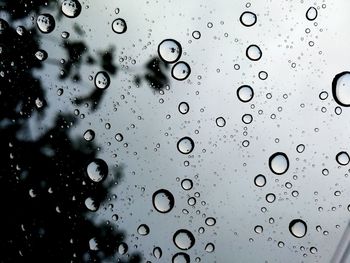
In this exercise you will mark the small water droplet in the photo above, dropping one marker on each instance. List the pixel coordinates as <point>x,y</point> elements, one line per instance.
<point>260,180</point>
<point>253,52</point>
<point>119,26</point>
<point>89,135</point>
<point>163,201</point>
<point>258,229</point>
<point>300,148</point>
<point>270,198</point>
<point>183,239</point>
<point>122,248</point>
<point>157,252</point>
<point>183,107</point>
<point>102,80</point>
<point>342,158</point>
<point>209,247</point>
<point>247,118</point>
<point>185,145</point>
<point>210,221</point>
<point>220,122</point>
<point>187,184</point>
<point>119,137</point>
<point>143,230</point>
<point>180,71</point>
<point>71,8</point>
<point>196,34</point>
<point>245,93</point>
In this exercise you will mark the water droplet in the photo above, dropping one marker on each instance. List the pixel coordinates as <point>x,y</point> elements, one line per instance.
<point>119,26</point>
<point>186,184</point>
<point>270,198</point>
<point>323,95</point>
<point>220,122</point>
<point>342,158</point>
<point>248,19</point>
<point>181,258</point>
<point>298,228</point>
<point>183,239</point>
<point>46,23</point>
<point>196,34</point>
<point>163,201</point>
<point>102,80</point>
<point>311,13</point>
<point>263,75</point>
<point>91,204</point>
<point>157,252</point>
<point>119,137</point>
<point>247,118</point>
<point>279,163</point>
<point>89,135</point>
<point>300,148</point>
<point>245,93</point>
<point>71,8</point>
<point>183,107</point>
<point>143,230</point>
<point>180,71</point>
<point>253,52</point>
<point>41,55</point>
<point>122,248</point>
<point>97,170</point>
<point>313,250</point>
<point>210,221</point>
<point>169,50</point>
<point>93,244</point>
<point>258,229</point>
<point>260,180</point>
<point>209,247</point>
<point>185,145</point>
<point>341,88</point>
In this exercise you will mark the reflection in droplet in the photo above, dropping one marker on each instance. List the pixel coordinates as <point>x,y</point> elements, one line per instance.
<point>341,88</point>
<point>342,158</point>
<point>143,230</point>
<point>248,19</point>
<point>279,163</point>
<point>311,13</point>
<point>183,107</point>
<point>298,228</point>
<point>169,50</point>
<point>181,258</point>
<point>163,201</point>
<point>157,252</point>
<point>253,52</point>
<point>102,80</point>
<point>97,170</point>
<point>245,93</point>
<point>183,239</point>
<point>185,145</point>
<point>46,23</point>
<point>180,71</point>
<point>71,8</point>
<point>119,26</point>
<point>220,122</point>
<point>260,180</point>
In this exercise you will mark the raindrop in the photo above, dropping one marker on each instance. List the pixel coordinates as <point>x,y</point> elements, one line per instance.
<point>41,55</point>
<point>342,158</point>
<point>341,88</point>
<point>163,201</point>
<point>186,184</point>
<point>300,148</point>
<point>248,19</point>
<point>270,198</point>
<point>91,204</point>
<point>253,52</point>
<point>196,34</point>
<point>210,248</point>
<point>46,23</point>
<point>119,26</point>
<point>313,250</point>
<point>311,13</point>
<point>247,118</point>
<point>180,71</point>
<point>298,228</point>
<point>323,95</point>
<point>260,180</point>
<point>143,230</point>
<point>93,244</point>
<point>122,248</point>
<point>279,163</point>
<point>258,229</point>
<point>71,8</point>
<point>181,258</point>
<point>89,135</point>
<point>183,239</point>
<point>102,80</point>
<point>210,221</point>
<point>183,107</point>
<point>245,93</point>
<point>185,145</point>
<point>157,252</point>
<point>169,50</point>
<point>263,75</point>
<point>119,137</point>
<point>220,122</point>
<point>97,170</point>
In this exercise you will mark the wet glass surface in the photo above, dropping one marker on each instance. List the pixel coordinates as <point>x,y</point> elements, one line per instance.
<point>174,131</point>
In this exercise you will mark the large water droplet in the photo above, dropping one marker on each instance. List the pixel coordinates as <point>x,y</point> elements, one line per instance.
<point>181,258</point>
<point>185,145</point>
<point>180,71</point>
<point>169,50</point>
<point>46,23</point>
<point>97,170</point>
<point>341,88</point>
<point>248,18</point>
<point>183,107</point>
<point>245,93</point>
<point>183,239</point>
<point>119,26</point>
<point>163,201</point>
<point>102,80</point>
<point>311,13</point>
<point>253,52</point>
<point>71,8</point>
<point>298,228</point>
<point>260,180</point>
<point>279,163</point>
<point>143,230</point>
<point>342,158</point>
